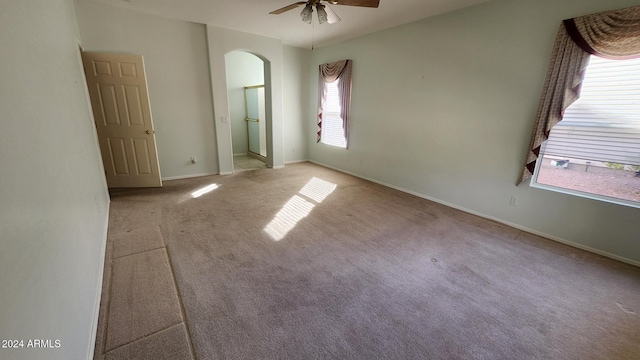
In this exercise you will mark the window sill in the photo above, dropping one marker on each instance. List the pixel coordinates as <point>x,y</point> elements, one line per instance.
<point>581,194</point>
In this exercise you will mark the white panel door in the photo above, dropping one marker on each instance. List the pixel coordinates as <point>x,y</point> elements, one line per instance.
<point>119,97</point>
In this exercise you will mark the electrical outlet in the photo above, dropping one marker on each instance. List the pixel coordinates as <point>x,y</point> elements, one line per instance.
<point>514,201</point>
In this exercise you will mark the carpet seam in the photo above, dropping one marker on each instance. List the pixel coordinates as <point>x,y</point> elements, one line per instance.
<point>113,260</point>
<point>139,252</point>
<point>143,337</point>
<point>182,308</point>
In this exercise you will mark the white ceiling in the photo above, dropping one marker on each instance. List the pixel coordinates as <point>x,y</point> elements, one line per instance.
<point>253,16</point>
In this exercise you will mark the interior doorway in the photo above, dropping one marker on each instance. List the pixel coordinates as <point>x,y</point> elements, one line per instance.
<point>248,111</point>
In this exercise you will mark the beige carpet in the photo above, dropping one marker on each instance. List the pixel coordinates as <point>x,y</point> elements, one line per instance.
<point>309,263</point>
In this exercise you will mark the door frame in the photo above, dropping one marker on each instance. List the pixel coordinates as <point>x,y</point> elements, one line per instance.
<point>258,120</point>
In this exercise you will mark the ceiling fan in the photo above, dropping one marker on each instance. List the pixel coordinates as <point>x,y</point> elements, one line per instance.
<point>325,13</point>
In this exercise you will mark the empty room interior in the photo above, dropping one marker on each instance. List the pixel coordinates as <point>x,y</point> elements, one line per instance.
<point>326,180</point>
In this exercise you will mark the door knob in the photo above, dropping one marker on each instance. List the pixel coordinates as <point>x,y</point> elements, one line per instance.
<point>148,132</point>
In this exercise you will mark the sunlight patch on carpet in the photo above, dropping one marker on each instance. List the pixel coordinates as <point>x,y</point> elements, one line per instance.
<point>318,189</point>
<point>205,190</point>
<point>297,208</point>
<point>286,219</point>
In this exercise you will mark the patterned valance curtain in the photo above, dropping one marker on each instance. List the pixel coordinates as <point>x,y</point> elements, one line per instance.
<point>329,73</point>
<point>612,34</point>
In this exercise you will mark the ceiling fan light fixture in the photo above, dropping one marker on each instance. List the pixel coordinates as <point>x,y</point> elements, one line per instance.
<point>325,13</point>
<point>322,14</point>
<point>306,13</point>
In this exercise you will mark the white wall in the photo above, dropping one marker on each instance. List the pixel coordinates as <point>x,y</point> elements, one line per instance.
<point>177,68</point>
<point>53,198</point>
<point>243,69</point>
<point>444,108</point>
<point>181,101</point>
<point>296,103</point>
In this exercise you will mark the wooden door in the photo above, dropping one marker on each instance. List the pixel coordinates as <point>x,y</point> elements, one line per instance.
<point>119,97</point>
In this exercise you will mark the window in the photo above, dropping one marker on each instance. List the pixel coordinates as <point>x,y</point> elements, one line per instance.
<point>332,128</point>
<point>611,34</point>
<point>595,150</point>
<point>334,102</point>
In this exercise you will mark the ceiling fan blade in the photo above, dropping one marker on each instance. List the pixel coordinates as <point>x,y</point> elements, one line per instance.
<point>362,3</point>
<point>332,18</point>
<point>288,7</point>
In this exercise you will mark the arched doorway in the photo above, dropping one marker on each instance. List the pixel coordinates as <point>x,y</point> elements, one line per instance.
<point>249,111</point>
<point>221,42</point>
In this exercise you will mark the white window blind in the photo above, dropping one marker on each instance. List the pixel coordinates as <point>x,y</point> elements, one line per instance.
<point>604,124</point>
<point>332,124</point>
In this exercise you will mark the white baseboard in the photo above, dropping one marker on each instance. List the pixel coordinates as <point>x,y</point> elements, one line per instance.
<point>296,161</point>
<point>240,154</point>
<point>187,176</point>
<point>225,173</point>
<point>513,225</point>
